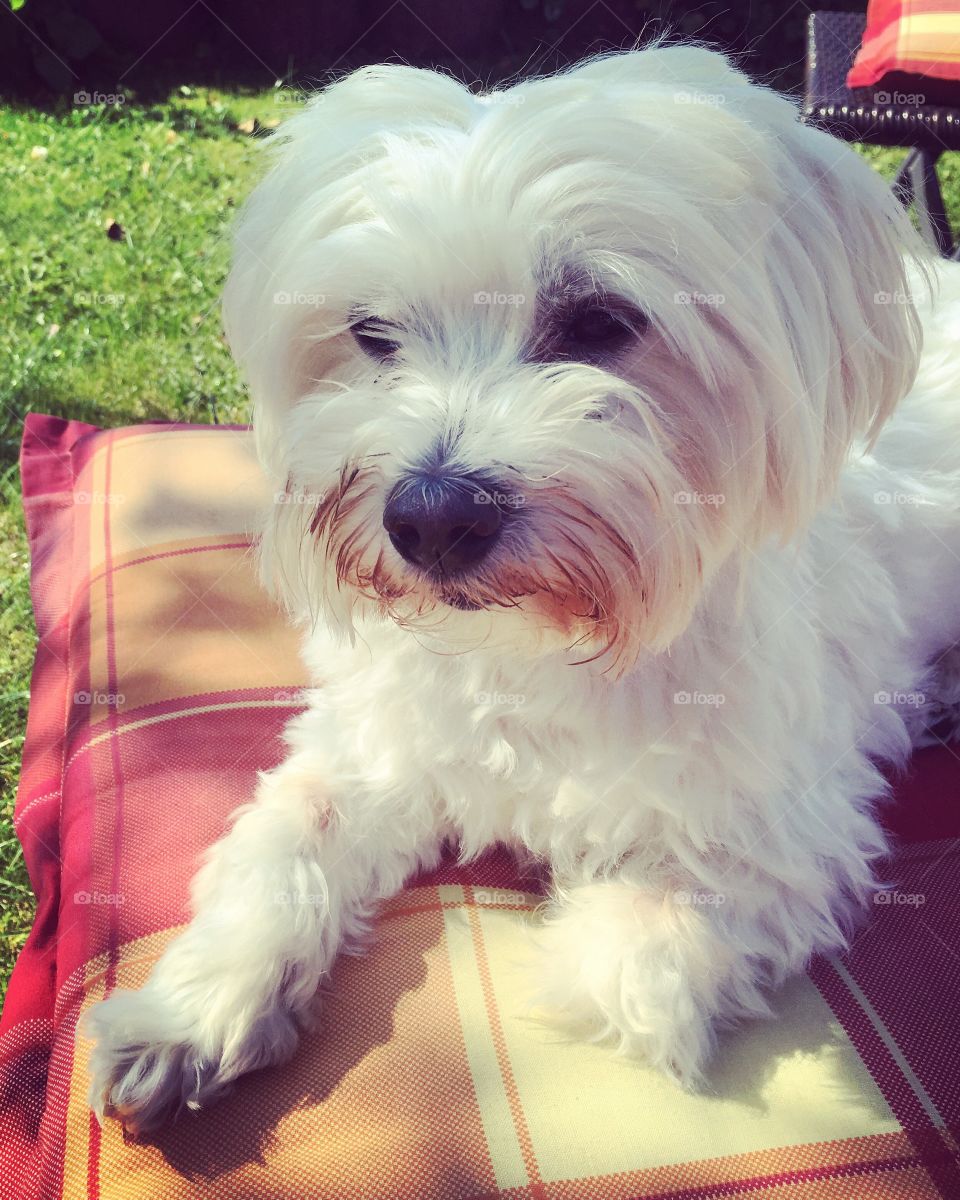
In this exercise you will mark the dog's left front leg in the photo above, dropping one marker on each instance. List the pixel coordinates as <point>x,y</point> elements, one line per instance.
<point>298,873</point>
<point>651,969</point>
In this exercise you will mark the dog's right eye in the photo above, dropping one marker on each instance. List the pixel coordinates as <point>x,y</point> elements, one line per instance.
<point>373,337</point>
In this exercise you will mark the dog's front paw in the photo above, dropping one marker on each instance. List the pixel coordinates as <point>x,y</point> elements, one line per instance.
<point>656,1019</point>
<point>147,1063</point>
<point>629,967</point>
<point>156,1055</point>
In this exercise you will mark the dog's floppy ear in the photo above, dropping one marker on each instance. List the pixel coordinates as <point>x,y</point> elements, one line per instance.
<point>839,256</point>
<point>815,252</point>
<point>321,161</point>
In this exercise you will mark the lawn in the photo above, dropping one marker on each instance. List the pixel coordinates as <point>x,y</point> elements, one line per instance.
<point>116,223</point>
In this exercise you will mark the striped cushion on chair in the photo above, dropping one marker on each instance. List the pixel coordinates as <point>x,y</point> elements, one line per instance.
<point>906,40</point>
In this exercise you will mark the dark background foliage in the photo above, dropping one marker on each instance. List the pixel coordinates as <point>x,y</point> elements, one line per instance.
<point>49,48</point>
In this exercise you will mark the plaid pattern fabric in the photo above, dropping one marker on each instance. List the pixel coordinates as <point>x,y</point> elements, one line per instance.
<point>162,681</point>
<point>908,37</point>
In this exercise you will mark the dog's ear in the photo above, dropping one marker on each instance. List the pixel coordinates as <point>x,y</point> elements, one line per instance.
<point>809,247</point>
<point>321,169</point>
<point>839,256</point>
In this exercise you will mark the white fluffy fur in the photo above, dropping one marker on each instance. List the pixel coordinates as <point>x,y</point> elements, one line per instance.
<point>701,851</point>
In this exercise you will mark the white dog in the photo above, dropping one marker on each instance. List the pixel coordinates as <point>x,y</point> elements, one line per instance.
<point>575,397</point>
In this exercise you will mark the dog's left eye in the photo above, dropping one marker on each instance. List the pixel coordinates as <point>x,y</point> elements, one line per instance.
<point>373,337</point>
<point>594,325</point>
<point>596,328</point>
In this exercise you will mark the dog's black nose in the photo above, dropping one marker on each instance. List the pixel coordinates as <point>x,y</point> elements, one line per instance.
<point>442,523</point>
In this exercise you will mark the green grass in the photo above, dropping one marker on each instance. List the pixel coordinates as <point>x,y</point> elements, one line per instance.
<point>118,331</point>
<point>103,330</point>
<point>887,162</point>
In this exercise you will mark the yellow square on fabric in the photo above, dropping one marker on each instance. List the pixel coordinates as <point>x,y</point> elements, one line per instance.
<point>794,1079</point>
<point>172,485</point>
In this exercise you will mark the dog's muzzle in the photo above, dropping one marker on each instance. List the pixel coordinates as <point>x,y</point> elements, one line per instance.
<point>443,524</point>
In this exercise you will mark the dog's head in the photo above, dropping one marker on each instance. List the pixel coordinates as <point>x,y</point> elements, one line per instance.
<point>539,361</point>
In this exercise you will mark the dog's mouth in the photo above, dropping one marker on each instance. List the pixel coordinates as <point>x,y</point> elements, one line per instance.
<point>460,590</point>
<point>463,598</point>
<point>454,592</point>
<point>460,602</point>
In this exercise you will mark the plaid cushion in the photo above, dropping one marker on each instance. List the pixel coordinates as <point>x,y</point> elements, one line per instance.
<point>162,681</point>
<point>918,38</point>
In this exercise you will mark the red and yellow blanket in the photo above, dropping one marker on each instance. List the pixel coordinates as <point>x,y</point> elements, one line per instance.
<point>162,681</point>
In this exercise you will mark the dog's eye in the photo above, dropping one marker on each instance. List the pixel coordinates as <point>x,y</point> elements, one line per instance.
<point>593,325</point>
<point>373,337</point>
<point>596,328</point>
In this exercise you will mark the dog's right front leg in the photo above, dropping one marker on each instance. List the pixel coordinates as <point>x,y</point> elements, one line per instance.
<point>300,871</point>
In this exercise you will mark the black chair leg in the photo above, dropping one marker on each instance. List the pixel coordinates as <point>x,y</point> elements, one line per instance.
<point>921,183</point>
<point>903,184</point>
